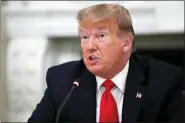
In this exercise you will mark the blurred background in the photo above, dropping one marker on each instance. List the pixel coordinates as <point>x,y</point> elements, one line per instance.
<point>38,34</point>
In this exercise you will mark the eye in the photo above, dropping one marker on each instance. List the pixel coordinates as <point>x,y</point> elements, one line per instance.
<point>84,37</point>
<point>102,35</point>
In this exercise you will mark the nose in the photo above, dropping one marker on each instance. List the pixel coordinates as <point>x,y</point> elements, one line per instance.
<point>92,44</point>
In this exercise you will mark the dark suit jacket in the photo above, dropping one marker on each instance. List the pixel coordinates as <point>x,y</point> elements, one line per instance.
<point>158,82</point>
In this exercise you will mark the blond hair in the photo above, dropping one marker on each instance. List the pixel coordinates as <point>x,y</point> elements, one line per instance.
<point>102,11</point>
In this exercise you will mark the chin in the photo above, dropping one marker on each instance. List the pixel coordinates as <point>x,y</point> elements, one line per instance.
<point>94,69</point>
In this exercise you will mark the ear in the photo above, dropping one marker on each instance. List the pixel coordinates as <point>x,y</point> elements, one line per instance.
<point>127,43</point>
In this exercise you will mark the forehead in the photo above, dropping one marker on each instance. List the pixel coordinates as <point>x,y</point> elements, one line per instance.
<point>87,24</point>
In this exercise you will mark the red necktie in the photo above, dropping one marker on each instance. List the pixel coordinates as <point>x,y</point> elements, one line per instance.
<point>108,107</point>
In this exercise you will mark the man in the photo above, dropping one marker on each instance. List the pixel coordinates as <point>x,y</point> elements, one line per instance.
<point>115,84</point>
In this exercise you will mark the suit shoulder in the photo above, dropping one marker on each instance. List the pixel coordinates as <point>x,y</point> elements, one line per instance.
<point>161,71</point>
<point>66,64</point>
<point>158,65</point>
<point>66,67</point>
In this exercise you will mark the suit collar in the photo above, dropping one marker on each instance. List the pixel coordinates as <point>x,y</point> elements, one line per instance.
<point>85,97</point>
<point>119,79</point>
<point>86,94</point>
<point>134,91</point>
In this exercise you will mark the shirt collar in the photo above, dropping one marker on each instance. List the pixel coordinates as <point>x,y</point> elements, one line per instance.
<point>119,79</point>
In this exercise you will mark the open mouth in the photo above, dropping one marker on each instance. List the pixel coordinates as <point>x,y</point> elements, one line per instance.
<point>92,59</point>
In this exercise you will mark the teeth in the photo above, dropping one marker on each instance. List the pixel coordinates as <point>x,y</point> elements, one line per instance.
<point>93,57</point>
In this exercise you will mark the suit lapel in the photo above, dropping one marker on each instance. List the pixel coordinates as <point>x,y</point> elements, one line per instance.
<point>86,97</point>
<point>134,92</point>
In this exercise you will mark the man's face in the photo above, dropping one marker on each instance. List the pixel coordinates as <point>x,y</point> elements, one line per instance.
<point>101,48</point>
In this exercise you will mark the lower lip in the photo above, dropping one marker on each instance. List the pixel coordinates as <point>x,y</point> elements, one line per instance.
<point>92,61</point>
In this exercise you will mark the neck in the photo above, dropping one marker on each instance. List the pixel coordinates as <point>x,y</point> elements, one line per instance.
<point>117,68</point>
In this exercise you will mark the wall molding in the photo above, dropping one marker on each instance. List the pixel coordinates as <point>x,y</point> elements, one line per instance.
<point>148,18</point>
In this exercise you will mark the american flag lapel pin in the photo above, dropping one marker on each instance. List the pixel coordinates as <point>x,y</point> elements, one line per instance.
<point>138,95</point>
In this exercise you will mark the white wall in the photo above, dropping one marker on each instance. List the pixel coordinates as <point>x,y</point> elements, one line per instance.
<point>58,18</point>
<point>24,76</point>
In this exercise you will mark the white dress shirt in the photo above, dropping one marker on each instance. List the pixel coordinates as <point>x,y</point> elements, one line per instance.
<point>117,91</point>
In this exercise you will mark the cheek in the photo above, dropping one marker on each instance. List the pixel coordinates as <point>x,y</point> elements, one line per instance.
<point>111,51</point>
<point>108,52</point>
<point>83,47</point>
<point>83,51</point>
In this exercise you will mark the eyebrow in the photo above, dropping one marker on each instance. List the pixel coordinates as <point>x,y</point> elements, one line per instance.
<point>102,28</point>
<point>82,31</point>
<point>99,29</point>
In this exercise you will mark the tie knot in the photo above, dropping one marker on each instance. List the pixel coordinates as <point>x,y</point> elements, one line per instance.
<point>108,84</point>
